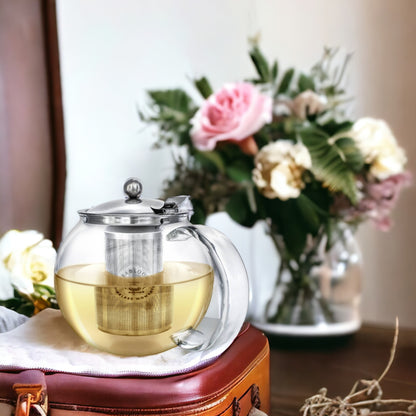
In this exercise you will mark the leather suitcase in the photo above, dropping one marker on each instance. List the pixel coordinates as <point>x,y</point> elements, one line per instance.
<point>235,384</point>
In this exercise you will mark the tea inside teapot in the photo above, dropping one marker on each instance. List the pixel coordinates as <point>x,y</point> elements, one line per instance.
<point>130,316</point>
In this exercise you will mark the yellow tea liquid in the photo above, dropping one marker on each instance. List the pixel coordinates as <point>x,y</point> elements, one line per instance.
<point>134,316</point>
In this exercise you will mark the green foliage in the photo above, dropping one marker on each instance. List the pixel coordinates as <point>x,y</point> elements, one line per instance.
<point>333,127</point>
<point>209,188</point>
<point>44,291</point>
<point>350,153</point>
<point>294,219</point>
<point>261,64</point>
<point>210,160</point>
<point>319,195</point>
<point>286,81</point>
<point>172,110</point>
<point>328,77</point>
<point>19,304</point>
<point>42,297</point>
<point>275,70</point>
<point>330,164</point>
<point>238,166</point>
<point>203,87</point>
<point>266,73</point>
<point>238,208</point>
<point>286,221</point>
<point>176,100</point>
<point>305,83</point>
<point>309,213</point>
<point>240,170</point>
<point>199,216</point>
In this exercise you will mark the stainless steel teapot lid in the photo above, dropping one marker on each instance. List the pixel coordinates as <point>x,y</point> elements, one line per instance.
<point>135,210</point>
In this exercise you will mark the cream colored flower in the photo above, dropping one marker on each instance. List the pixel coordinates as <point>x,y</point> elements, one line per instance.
<point>379,147</point>
<point>25,258</point>
<point>279,167</point>
<point>308,103</point>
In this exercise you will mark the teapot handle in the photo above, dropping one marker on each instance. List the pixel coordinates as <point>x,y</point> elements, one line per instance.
<point>233,283</point>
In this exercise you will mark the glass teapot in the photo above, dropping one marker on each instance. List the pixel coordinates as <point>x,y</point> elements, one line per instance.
<point>135,277</point>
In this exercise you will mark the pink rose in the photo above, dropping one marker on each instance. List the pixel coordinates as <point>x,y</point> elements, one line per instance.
<point>233,113</point>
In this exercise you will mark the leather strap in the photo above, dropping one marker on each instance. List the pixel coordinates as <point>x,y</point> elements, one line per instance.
<point>236,407</point>
<point>255,402</point>
<point>32,398</point>
<point>255,396</point>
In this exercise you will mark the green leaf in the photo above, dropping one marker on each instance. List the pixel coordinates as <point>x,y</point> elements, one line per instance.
<point>175,99</point>
<point>184,138</point>
<point>309,213</point>
<point>11,303</point>
<point>328,163</point>
<point>295,238</point>
<point>19,304</point>
<point>239,171</point>
<point>320,196</point>
<point>261,64</point>
<point>209,159</point>
<point>199,216</point>
<point>285,82</point>
<point>238,208</point>
<point>293,230</point>
<point>333,127</point>
<point>255,81</point>
<point>26,309</point>
<point>275,71</point>
<point>350,153</point>
<point>203,87</point>
<point>42,289</point>
<point>262,137</point>
<point>286,220</point>
<point>305,83</point>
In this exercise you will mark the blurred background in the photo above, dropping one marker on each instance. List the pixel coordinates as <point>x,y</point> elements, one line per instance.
<point>110,52</point>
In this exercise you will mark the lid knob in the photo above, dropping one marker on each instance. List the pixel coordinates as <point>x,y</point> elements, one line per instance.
<point>133,188</point>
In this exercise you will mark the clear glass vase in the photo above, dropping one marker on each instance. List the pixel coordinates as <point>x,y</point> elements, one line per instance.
<point>320,293</point>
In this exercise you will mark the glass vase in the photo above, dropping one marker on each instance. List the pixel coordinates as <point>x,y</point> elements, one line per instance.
<point>319,294</point>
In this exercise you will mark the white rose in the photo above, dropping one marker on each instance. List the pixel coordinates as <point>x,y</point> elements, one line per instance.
<point>279,167</point>
<point>308,103</point>
<point>25,258</point>
<point>379,147</point>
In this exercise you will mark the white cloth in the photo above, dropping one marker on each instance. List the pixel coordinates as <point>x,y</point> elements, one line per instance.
<point>46,342</point>
<point>10,319</point>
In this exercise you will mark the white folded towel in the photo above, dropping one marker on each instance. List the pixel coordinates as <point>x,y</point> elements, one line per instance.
<point>46,342</point>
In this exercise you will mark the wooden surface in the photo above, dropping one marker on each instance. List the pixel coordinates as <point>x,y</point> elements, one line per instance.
<point>299,369</point>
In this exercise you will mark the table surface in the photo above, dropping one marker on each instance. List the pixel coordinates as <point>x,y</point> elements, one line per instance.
<point>300,367</point>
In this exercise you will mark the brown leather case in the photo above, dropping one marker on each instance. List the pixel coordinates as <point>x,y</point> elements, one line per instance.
<point>232,385</point>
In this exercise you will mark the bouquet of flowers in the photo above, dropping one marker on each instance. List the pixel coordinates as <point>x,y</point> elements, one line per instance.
<point>279,147</point>
<point>27,261</point>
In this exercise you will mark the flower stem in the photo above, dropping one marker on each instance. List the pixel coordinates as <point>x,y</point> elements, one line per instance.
<point>301,301</point>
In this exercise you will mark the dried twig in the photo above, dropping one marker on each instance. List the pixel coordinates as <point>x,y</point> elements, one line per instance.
<point>365,398</point>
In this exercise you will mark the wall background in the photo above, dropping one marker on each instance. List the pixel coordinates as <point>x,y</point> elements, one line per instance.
<point>112,51</point>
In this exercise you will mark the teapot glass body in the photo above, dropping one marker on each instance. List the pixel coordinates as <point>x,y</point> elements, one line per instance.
<point>143,281</point>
